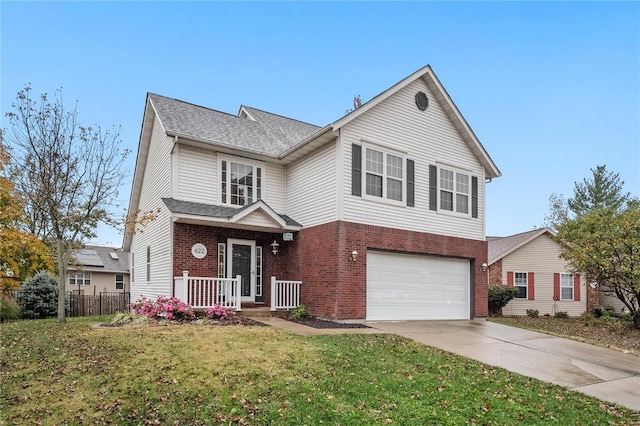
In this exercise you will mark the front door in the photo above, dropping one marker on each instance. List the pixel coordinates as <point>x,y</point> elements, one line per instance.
<point>243,259</point>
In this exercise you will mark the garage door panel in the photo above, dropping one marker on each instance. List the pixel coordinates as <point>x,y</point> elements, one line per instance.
<point>410,287</point>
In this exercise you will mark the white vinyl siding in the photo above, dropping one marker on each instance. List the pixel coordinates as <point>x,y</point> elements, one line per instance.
<point>541,257</point>
<point>427,138</point>
<point>311,187</point>
<point>157,234</point>
<point>99,282</point>
<point>196,176</point>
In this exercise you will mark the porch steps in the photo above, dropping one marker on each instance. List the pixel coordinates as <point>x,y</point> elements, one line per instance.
<point>263,312</point>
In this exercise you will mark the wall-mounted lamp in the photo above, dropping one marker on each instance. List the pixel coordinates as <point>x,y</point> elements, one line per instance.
<point>354,256</point>
<point>484,267</point>
<point>274,247</point>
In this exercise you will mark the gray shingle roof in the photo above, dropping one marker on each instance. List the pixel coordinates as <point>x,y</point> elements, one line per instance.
<point>270,134</point>
<point>499,246</point>
<point>109,264</point>
<point>199,209</point>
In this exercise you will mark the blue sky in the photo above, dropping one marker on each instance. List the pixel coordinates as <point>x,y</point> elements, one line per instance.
<point>551,89</point>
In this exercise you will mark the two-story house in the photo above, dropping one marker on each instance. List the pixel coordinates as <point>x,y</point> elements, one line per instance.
<point>380,214</point>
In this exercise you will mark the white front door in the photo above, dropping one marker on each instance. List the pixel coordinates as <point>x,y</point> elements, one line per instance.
<point>243,261</point>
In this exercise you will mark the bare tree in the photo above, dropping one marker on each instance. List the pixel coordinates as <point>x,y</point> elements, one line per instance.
<point>69,174</point>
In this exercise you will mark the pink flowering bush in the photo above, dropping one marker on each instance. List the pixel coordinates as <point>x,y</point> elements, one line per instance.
<point>163,307</point>
<point>219,313</point>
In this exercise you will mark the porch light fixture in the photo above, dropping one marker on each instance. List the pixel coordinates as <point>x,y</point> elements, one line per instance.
<point>484,267</point>
<point>274,247</point>
<point>354,256</point>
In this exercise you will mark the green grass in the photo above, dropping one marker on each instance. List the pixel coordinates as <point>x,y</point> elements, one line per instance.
<point>75,374</point>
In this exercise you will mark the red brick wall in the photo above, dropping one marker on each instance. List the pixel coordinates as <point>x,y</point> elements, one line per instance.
<point>283,265</point>
<point>335,287</point>
<point>495,273</point>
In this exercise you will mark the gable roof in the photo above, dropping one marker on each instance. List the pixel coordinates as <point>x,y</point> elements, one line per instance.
<point>257,131</point>
<point>228,214</point>
<point>499,247</point>
<point>101,259</point>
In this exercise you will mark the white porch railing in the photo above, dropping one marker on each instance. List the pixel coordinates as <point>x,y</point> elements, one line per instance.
<point>285,294</point>
<point>206,292</point>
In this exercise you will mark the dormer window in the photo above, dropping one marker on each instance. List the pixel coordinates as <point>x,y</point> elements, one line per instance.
<point>241,182</point>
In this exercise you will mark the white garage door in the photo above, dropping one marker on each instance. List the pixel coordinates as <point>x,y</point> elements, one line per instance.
<point>410,287</point>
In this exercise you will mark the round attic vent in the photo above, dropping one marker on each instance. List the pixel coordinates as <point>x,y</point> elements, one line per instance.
<point>422,101</point>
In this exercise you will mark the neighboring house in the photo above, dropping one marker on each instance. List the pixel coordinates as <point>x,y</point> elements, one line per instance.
<point>380,214</point>
<point>531,262</point>
<point>98,269</point>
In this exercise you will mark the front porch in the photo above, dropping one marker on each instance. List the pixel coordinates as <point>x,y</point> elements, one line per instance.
<point>202,293</point>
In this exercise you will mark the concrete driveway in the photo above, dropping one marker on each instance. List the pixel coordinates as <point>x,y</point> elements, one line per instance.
<point>604,373</point>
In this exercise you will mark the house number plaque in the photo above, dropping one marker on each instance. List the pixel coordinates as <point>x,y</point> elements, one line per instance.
<point>199,251</point>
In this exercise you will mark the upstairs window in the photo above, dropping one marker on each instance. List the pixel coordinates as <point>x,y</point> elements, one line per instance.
<point>384,175</point>
<point>454,191</point>
<point>241,182</point>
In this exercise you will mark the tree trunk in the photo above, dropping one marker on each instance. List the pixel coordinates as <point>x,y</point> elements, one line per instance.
<point>62,279</point>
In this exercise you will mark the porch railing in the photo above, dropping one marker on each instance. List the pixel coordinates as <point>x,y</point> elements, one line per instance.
<point>285,294</point>
<point>206,292</point>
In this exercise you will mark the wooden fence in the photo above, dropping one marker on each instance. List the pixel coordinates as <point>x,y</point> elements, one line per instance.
<point>81,305</point>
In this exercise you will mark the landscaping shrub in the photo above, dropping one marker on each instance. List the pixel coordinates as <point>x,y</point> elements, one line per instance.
<point>163,308</point>
<point>38,296</point>
<point>499,296</point>
<point>219,313</point>
<point>561,314</point>
<point>533,313</point>
<point>299,312</point>
<point>9,309</point>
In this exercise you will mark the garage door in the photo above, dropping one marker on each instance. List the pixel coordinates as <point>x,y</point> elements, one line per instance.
<point>410,287</point>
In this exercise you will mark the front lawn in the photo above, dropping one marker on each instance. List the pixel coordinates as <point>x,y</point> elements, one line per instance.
<point>76,374</point>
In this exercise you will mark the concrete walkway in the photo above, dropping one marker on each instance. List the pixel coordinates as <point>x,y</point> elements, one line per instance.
<point>604,373</point>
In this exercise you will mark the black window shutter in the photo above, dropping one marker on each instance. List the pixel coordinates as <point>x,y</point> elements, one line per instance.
<point>433,188</point>
<point>356,169</point>
<point>474,196</point>
<point>410,184</point>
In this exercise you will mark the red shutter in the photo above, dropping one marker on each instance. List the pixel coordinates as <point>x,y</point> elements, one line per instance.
<point>576,287</point>
<point>510,278</point>
<point>556,286</point>
<point>530,285</point>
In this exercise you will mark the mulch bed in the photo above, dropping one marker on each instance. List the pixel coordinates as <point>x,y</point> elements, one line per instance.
<point>320,323</point>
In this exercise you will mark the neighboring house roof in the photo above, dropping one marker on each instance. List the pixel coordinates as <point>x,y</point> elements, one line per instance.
<point>499,247</point>
<point>101,259</point>
<point>231,214</point>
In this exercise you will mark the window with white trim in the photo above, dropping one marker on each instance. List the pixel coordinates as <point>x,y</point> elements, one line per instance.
<point>79,278</point>
<point>566,286</point>
<point>258,271</point>
<point>454,191</point>
<point>222,250</point>
<point>119,282</point>
<point>520,282</point>
<point>241,181</point>
<point>384,175</point>
<point>148,263</point>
